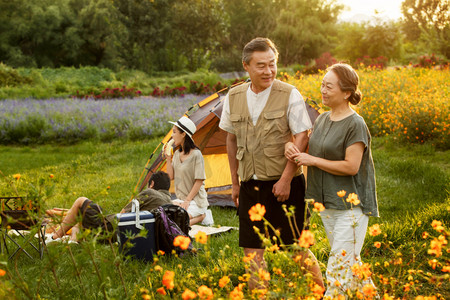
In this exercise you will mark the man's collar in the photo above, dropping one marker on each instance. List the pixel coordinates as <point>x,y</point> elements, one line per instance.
<point>265,92</point>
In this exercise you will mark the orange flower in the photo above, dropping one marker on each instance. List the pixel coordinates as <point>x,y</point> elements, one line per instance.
<point>353,199</point>
<point>341,193</point>
<point>201,237</point>
<point>306,239</point>
<point>249,257</point>
<point>161,291</point>
<point>263,274</point>
<point>317,290</point>
<point>182,241</point>
<point>2,272</point>
<point>375,230</point>
<point>205,292</point>
<point>437,225</point>
<point>167,280</point>
<point>425,235</point>
<point>17,176</point>
<point>257,212</point>
<point>435,247</point>
<point>362,271</point>
<point>445,269</point>
<point>344,253</point>
<point>51,175</point>
<point>188,295</point>
<point>377,244</point>
<point>224,281</point>
<point>146,297</point>
<point>318,207</point>
<point>160,252</point>
<point>237,294</point>
<point>369,291</point>
<point>433,263</point>
<point>273,248</point>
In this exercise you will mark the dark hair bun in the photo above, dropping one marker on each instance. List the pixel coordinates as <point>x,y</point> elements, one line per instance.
<point>355,97</point>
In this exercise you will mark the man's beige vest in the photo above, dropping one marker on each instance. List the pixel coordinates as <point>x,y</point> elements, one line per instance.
<point>260,148</point>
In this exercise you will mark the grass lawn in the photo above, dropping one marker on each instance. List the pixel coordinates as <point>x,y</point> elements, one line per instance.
<point>413,190</point>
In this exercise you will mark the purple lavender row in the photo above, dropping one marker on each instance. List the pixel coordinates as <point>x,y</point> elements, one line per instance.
<point>29,121</point>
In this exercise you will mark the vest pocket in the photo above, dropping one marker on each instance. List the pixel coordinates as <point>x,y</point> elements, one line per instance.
<point>239,128</point>
<point>276,122</point>
<point>275,160</point>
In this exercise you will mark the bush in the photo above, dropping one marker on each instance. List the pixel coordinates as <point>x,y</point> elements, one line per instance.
<point>371,62</point>
<point>10,77</point>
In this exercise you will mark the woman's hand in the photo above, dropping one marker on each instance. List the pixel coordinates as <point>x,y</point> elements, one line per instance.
<point>185,204</point>
<point>290,150</point>
<point>304,159</point>
<point>167,154</point>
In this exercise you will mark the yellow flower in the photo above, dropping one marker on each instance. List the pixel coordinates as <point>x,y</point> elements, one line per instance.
<point>224,281</point>
<point>201,237</point>
<point>51,176</point>
<point>17,176</point>
<point>341,193</point>
<point>433,263</point>
<point>257,212</point>
<point>353,199</point>
<point>158,268</point>
<point>377,244</point>
<point>236,294</point>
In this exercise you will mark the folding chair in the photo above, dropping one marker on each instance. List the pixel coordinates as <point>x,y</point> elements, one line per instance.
<point>18,214</point>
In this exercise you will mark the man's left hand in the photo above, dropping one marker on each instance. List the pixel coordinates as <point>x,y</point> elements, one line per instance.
<point>281,189</point>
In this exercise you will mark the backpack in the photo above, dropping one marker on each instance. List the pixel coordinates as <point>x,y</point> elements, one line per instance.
<point>170,221</point>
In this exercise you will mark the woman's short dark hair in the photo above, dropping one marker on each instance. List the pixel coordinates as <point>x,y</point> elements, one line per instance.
<point>258,44</point>
<point>161,181</point>
<point>348,81</point>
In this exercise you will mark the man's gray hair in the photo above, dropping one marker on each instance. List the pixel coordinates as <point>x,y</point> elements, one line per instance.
<point>258,44</point>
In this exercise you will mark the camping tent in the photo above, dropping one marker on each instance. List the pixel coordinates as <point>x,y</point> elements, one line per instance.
<point>212,142</point>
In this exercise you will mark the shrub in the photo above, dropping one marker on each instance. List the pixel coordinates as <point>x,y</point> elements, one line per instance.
<point>371,62</point>
<point>10,77</point>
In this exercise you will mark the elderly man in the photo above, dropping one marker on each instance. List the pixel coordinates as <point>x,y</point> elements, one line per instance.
<point>260,117</point>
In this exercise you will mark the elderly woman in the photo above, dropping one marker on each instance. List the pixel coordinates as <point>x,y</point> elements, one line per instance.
<point>339,164</point>
<point>187,168</point>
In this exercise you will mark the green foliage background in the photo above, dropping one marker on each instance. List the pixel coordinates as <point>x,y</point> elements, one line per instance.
<point>171,35</point>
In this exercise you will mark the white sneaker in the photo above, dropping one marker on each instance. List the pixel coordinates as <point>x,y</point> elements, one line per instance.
<point>208,220</point>
<point>49,239</point>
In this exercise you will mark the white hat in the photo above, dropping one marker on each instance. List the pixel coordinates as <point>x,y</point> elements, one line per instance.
<point>186,124</point>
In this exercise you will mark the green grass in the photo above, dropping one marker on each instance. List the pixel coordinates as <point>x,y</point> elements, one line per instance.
<point>413,187</point>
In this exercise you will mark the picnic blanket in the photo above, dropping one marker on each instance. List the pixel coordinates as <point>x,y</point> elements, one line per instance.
<point>209,230</point>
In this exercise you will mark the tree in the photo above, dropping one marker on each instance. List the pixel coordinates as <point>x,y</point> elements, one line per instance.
<point>197,26</point>
<point>428,20</point>
<point>304,29</point>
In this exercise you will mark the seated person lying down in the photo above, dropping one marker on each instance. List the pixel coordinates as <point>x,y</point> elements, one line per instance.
<point>155,195</point>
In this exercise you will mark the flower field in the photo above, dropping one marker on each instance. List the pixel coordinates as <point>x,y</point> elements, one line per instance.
<point>411,104</point>
<point>31,121</point>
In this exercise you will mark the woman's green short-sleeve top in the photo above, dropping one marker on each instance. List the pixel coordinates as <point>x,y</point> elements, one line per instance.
<point>330,140</point>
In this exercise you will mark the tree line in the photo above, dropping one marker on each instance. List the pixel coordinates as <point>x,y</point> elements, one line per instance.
<point>174,35</point>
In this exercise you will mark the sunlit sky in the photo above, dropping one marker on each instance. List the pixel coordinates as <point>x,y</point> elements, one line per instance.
<point>388,8</point>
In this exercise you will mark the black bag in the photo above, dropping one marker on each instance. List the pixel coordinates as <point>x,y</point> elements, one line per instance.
<point>170,221</point>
